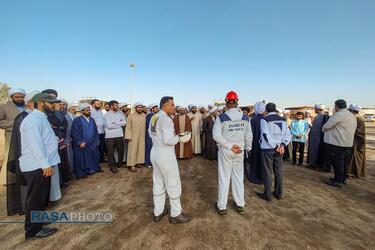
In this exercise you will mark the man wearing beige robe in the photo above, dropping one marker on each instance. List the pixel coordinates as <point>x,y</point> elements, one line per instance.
<point>8,113</point>
<point>196,125</point>
<point>135,133</point>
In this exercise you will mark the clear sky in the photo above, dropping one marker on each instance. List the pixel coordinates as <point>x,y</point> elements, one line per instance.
<point>292,52</point>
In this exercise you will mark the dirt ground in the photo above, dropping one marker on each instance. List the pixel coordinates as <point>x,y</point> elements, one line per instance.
<point>312,215</point>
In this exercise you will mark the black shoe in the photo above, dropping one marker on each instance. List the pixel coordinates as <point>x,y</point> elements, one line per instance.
<point>158,218</point>
<point>333,179</point>
<point>334,183</point>
<point>44,232</point>
<point>239,209</point>
<point>100,171</point>
<point>20,213</point>
<point>279,197</point>
<point>114,170</point>
<point>182,218</point>
<point>220,211</point>
<point>263,196</point>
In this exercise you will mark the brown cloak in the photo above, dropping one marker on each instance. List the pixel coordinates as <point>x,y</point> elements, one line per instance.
<point>187,147</point>
<point>357,165</point>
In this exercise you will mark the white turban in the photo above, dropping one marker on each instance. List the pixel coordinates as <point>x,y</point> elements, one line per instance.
<point>307,111</point>
<point>138,104</point>
<point>210,106</point>
<point>355,107</point>
<point>82,106</point>
<point>192,106</point>
<point>181,107</point>
<point>201,107</point>
<point>123,104</point>
<point>13,91</point>
<point>319,106</point>
<point>220,108</point>
<point>30,96</point>
<point>151,106</point>
<point>212,110</point>
<point>259,108</point>
<point>287,111</point>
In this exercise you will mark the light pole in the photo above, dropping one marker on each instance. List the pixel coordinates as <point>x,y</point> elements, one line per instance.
<point>132,67</point>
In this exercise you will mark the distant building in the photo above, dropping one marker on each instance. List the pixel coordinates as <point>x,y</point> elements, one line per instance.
<point>295,110</point>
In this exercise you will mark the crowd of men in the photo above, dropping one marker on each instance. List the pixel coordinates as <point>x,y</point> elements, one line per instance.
<point>49,142</point>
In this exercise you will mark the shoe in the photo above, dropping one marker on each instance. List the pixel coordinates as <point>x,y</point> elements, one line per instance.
<point>139,166</point>
<point>100,171</point>
<point>20,213</point>
<point>239,209</point>
<point>114,170</point>
<point>132,169</point>
<point>334,183</point>
<point>220,211</point>
<point>333,179</point>
<point>44,232</point>
<point>182,218</point>
<point>263,196</point>
<point>279,197</point>
<point>159,217</point>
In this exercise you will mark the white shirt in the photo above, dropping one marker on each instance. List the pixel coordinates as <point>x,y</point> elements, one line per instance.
<point>274,131</point>
<point>162,131</point>
<point>114,121</point>
<point>98,117</point>
<point>39,144</point>
<point>340,128</point>
<point>231,128</point>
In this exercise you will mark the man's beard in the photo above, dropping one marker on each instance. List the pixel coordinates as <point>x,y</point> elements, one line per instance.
<point>194,111</point>
<point>139,111</point>
<point>97,108</point>
<point>87,115</point>
<point>19,103</point>
<point>47,109</point>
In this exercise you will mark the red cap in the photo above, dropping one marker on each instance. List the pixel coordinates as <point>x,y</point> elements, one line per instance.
<point>231,97</point>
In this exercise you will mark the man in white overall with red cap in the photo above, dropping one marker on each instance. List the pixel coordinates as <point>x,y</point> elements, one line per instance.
<point>232,132</point>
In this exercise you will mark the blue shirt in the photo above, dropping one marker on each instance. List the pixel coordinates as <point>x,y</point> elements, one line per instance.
<point>299,127</point>
<point>39,144</point>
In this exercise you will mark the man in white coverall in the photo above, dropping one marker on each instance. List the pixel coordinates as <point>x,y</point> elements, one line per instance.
<point>166,176</point>
<point>232,132</point>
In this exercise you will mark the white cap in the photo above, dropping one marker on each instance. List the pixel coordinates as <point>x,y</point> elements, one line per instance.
<point>185,136</point>
<point>287,111</point>
<point>210,106</point>
<point>200,107</point>
<point>259,108</point>
<point>30,96</point>
<point>319,106</point>
<point>355,107</point>
<point>138,104</point>
<point>13,91</point>
<point>82,106</point>
<point>153,105</point>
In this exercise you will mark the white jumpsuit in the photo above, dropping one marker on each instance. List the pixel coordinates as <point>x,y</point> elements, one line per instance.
<point>166,176</point>
<point>231,128</point>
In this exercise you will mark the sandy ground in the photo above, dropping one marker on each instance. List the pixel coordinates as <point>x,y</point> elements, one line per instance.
<point>311,216</point>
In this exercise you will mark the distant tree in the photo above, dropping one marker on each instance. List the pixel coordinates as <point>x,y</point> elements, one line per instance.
<point>4,92</point>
